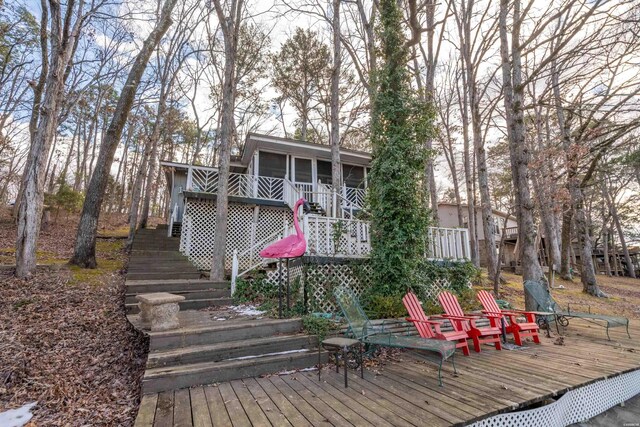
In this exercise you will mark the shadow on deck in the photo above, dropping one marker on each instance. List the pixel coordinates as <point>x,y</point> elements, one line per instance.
<point>405,392</point>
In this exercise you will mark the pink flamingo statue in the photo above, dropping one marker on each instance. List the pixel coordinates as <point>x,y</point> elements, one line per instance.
<point>292,246</point>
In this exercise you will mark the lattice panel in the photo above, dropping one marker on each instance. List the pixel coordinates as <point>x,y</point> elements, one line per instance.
<point>273,276</point>
<point>199,221</point>
<point>575,406</point>
<point>322,279</point>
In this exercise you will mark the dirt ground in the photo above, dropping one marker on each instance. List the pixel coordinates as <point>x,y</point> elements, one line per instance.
<point>65,342</point>
<point>624,295</point>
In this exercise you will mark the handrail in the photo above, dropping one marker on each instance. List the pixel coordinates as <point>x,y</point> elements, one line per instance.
<point>173,218</point>
<point>252,253</point>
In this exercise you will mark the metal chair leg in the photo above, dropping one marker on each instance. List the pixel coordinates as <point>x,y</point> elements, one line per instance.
<point>453,362</point>
<point>628,330</point>
<point>440,373</point>
<point>344,360</point>
<point>319,361</point>
<point>362,362</point>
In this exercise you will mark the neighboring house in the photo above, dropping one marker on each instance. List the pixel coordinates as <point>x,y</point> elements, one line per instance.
<point>448,217</point>
<point>265,182</point>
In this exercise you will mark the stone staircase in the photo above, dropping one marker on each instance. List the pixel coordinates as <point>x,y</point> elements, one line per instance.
<point>228,350</point>
<point>156,265</point>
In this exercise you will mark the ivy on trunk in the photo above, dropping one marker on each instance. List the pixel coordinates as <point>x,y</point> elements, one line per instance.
<point>397,197</point>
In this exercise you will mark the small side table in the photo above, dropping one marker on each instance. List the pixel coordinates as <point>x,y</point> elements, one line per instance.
<point>342,346</point>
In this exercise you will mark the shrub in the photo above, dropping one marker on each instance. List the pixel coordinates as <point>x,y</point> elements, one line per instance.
<point>384,306</point>
<point>319,326</point>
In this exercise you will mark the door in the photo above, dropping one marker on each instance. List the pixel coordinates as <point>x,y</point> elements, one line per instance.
<point>302,173</point>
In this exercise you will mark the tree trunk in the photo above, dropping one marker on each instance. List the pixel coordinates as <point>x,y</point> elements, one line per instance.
<point>469,177</point>
<point>136,194</point>
<point>32,196</point>
<point>230,27</point>
<point>565,260</point>
<point>336,164</point>
<point>613,210</point>
<point>153,160</point>
<point>85,247</point>
<point>519,158</point>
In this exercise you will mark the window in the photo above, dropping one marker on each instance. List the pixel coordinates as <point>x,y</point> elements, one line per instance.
<point>272,165</point>
<point>324,172</point>
<point>353,176</point>
<point>302,170</point>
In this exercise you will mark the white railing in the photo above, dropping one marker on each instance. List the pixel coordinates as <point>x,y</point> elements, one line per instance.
<point>349,238</point>
<point>354,196</point>
<point>448,243</point>
<point>205,180</point>
<point>328,236</point>
<point>306,189</point>
<point>250,258</point>
<point>173,218</point>
<point>290,193</point>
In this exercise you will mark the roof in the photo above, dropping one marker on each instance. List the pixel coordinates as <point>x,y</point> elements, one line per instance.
<point>282,145</point>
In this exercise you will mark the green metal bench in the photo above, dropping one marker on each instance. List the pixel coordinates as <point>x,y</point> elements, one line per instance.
<point>363,330</point>
<point>545,302</point>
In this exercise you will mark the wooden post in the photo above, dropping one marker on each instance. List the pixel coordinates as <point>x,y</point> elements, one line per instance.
<point>190,178</point>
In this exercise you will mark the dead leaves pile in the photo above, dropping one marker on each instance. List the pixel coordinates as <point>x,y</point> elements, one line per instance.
<point>70,348</point>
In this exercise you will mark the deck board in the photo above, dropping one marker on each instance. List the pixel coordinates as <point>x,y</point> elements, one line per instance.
<point>405,392</point>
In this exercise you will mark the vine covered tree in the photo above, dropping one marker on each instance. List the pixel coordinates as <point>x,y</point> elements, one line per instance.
<point>398,199</point>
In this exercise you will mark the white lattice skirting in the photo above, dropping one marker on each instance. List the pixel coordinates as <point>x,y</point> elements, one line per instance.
<point>575,406</point>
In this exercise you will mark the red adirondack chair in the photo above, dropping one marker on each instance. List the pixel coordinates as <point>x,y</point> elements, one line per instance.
<point>465,323</point>
<point>424,325</point>
<point>519,330</point>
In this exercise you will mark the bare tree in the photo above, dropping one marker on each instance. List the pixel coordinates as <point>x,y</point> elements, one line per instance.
<point>230,15</point>
<point>85,248</point>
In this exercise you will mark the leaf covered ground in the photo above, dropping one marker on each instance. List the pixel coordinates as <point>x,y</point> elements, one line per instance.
<point>624,295</point>
<point>65,342</point>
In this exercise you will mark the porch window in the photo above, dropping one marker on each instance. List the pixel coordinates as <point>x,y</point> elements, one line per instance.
<point>302,170</point>
<point>324,172</point>
<point>353,176</point>
<point>272,165</point>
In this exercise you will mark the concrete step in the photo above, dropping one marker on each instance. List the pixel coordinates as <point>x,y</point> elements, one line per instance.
<point>190,304</point>
<point>170,378</point>
<point>230,350</point>
<point>147,286</point>
<point>150,275</point>
<point>223,332</point>
<point>189,295</point>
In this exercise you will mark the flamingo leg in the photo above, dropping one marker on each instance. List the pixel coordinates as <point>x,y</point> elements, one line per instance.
<point>280,288</point>
<point>288,289</point>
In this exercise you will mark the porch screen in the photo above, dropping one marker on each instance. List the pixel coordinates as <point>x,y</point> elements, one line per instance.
<point>353,176</point>
<point>272,165</point>
<point>324,172</point>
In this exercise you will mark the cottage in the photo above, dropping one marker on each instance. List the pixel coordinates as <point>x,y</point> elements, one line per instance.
<point>264,184</point>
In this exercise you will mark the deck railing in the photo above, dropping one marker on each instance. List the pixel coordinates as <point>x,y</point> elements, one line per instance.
<point>202,179</point>
<point>448,243</point>
<point>205,180</point>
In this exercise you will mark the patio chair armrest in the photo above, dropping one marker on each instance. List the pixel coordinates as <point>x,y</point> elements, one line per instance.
<point>493,313</point>
<point>451,316</point>
<point>530,315</point>
<point>436,325</point>
<point>579,303</point>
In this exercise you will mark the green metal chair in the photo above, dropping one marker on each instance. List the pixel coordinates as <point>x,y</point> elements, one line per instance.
<point>545,303</point>
<point>363,330</point>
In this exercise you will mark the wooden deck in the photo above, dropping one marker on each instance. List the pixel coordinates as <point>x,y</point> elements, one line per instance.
<point>405,392</point>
